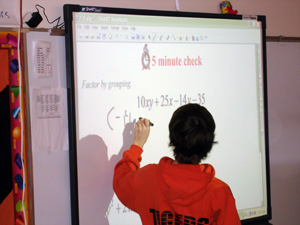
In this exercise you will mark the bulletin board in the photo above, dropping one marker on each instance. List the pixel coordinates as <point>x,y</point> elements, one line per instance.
<point>9,42</point>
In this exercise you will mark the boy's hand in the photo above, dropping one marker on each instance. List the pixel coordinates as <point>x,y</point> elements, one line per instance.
<point>141,132</point>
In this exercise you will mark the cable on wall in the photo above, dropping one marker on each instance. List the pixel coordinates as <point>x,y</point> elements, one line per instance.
<point>36,18</point>
<point>177,5</point>
<point>58,25</point>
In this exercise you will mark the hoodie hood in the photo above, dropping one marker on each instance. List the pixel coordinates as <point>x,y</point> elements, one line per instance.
<point>174,178</point>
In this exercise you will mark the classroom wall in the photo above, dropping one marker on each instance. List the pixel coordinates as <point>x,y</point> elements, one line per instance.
<point>283,17</point>
<point>284,129</point>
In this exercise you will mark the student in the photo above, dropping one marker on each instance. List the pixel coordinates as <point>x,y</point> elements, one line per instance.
<point>179,191</point>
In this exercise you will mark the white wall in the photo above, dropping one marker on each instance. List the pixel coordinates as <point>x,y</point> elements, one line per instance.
<point>283,17</point>
<point>284,118</point>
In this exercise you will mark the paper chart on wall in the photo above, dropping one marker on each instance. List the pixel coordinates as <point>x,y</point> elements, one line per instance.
<point>49,119</point>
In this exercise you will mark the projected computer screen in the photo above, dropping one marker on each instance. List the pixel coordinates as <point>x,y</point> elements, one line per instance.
<point>130,65</point>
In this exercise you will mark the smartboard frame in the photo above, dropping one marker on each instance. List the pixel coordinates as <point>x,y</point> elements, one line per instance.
<point>68,16</point>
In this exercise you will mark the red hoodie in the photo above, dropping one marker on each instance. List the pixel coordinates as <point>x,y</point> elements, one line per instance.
<point>173,194</point>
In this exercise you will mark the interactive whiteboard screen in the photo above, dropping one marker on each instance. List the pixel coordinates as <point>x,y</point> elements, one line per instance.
<point>127,66</point>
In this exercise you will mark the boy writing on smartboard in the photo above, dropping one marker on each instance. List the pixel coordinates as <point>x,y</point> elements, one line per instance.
<point>179,191</point>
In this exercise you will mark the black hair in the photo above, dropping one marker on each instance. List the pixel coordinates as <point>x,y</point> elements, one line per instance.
<point>191,134</point>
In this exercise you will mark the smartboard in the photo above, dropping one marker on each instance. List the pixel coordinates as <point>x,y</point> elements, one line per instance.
<point>124,64</point>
